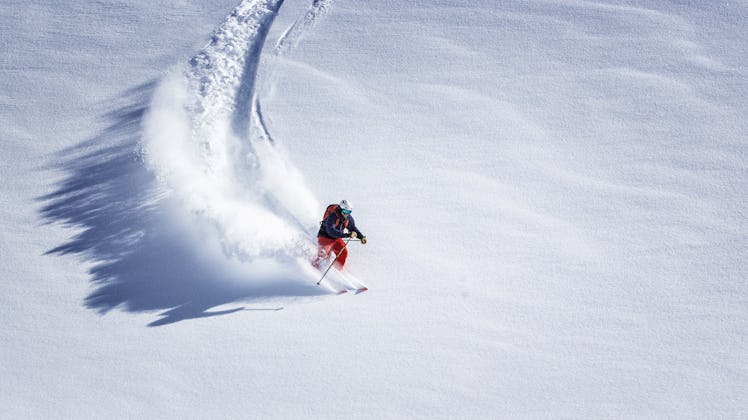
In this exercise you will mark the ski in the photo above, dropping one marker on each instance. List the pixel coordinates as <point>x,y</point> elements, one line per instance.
<point>354,291</point>
<point>339,283</point>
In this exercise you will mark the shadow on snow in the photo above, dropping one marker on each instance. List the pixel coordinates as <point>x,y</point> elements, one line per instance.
<point>139,262</point>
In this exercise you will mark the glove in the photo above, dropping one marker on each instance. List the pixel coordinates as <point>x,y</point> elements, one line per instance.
<point>363,240</point>
<point>353,235</point>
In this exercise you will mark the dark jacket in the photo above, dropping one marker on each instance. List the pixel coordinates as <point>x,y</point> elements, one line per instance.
<point>332,227</point>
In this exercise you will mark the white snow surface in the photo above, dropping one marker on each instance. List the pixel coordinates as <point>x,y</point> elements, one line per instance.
<point>554,194</point>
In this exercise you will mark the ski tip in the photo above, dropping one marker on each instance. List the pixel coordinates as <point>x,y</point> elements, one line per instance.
<point>361,290</point>
<point>342,292</point>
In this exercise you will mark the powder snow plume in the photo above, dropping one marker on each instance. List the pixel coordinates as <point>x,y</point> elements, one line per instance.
<point>217,162</point>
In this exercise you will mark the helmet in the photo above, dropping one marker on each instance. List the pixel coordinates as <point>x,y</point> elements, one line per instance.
<point>345,206</point>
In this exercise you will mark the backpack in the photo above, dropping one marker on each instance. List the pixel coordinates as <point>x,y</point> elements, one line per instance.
<point>332,208</point>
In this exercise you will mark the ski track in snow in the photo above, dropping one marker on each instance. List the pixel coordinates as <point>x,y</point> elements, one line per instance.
<point>200,139</point>
<point>287,42</point>
<point>294,33</point>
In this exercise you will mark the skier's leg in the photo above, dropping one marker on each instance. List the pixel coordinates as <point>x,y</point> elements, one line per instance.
<point>338,246</point>
<point>323,251</point>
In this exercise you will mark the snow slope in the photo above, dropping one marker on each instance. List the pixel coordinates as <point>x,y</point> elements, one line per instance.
<point>554,194</point>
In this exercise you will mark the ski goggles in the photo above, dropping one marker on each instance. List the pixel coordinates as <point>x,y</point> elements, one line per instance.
<point>346,211</point>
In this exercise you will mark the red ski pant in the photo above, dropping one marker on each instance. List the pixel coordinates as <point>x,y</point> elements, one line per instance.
<point>327,245</point>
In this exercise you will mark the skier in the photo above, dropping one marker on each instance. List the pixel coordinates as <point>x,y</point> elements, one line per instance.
<point>337,223</point>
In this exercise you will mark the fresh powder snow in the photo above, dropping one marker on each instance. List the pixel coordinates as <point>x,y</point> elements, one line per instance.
<point>553,193</point>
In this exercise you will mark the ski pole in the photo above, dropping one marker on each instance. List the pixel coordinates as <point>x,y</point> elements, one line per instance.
<point>333,261</point>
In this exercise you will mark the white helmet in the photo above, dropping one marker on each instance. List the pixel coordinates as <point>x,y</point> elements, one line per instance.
<point>346,205</point>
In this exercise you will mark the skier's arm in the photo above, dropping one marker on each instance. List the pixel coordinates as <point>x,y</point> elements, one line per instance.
<point>352,227</point>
